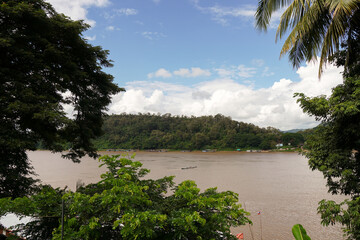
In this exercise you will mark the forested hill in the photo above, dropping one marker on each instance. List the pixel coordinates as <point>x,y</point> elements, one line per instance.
<point>147,131</point>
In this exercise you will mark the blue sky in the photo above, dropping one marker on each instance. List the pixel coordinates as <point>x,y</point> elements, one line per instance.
<point>198,57</point>
<point>143,36</point>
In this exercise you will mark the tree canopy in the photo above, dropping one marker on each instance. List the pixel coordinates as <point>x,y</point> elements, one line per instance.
<point>334,150</point>
<point>45,65</point>
<point>155,131</point>
<point>127,205</point>
<point>334,146</point>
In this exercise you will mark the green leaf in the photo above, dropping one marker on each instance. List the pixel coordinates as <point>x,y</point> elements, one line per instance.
<point>299,232</point>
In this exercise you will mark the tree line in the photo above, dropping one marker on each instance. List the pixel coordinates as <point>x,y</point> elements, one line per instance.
<point>155,131</point>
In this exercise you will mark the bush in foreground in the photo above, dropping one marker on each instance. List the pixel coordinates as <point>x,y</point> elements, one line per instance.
<point>124,205</point>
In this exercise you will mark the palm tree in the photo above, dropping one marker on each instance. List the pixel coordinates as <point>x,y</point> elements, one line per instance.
<point>317,27</point>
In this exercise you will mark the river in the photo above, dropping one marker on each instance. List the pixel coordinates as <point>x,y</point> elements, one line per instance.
<point>279,185</point>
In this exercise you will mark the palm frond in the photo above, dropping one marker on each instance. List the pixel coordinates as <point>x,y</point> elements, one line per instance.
<point>318,26</point>
<point>265,9</point>
<point>340,10</point>
<point>304,41</point>
<point>291,16</point>
<point>346,6</point>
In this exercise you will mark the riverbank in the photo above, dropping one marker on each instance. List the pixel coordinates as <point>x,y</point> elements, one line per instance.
<point>202,151</point>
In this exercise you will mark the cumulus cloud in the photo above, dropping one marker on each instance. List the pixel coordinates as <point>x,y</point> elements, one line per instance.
<point>162,72</point>
<point>273,106</point>
<point>193,72</point>
<point>77,9</point>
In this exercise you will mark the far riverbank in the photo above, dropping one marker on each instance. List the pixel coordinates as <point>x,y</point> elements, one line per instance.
<point>203,151</point>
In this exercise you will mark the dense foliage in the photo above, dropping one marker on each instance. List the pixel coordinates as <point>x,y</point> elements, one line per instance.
<point>46,64</point>
<point>334,150</point>
<point>146,131</point>
<point>125,205</point>
<point>335,145</point>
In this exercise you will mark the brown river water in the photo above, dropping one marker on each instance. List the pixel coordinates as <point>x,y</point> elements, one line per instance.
<point>279,185</point>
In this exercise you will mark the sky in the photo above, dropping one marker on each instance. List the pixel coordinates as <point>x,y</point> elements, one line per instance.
<point>199,57</point>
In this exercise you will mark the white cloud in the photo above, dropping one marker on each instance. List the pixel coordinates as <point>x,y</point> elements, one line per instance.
<point>193,72</point>
<point>258,62</point>
<point>225,72</point>
<point>266,72</point>
<point>273,106</point>
<point>110,28</point>
<point>275,18</point>
<point>120,12</point>
<point>126,11</point>
<point>245,72</point>
<point>222,14</point>
<point>139,22</point>
<point>236,71</point>
<point>162,72</point>
<point>182,72</point>
<point>156,1</point>
<point>90,38</point>
<point>245,11</point>
<point>152,35</point>
<point>77,9</point>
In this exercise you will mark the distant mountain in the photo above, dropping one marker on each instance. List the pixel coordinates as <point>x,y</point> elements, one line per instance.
<point>294,130</point>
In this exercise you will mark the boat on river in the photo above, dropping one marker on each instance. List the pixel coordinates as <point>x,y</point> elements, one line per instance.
<point>191,167</point>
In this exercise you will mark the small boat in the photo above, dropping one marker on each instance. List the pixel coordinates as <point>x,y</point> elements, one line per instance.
<point>191,167</point>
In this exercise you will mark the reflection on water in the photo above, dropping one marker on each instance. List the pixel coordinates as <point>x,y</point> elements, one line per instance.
<point>279,185</point>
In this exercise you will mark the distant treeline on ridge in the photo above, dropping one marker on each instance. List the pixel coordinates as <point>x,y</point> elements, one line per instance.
<point>155,131</point>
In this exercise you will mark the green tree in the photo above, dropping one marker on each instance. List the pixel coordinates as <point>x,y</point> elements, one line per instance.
<point>316,27</point>
<point>334,150</point>
<point>200,140</point>
<point>293,138</point>
<point>46,64</point>
<point>266,144</point>
<point>125,205</point>
<point>150,131</point>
